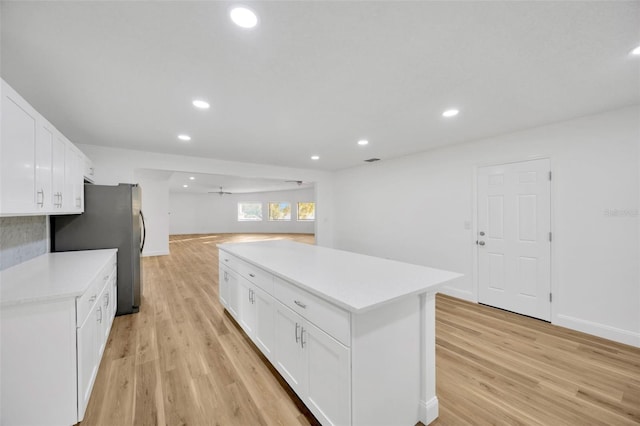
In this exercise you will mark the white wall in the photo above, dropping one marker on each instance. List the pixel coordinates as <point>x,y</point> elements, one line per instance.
<point>211,213</point>
<point>414,209</point>
<point>155,207</point>
<point>115,165</point>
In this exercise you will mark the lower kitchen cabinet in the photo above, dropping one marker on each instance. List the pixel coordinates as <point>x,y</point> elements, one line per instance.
<point>54,332</point>
<point>256,315</point>
<point>229,290</point>
<point>315,365</point>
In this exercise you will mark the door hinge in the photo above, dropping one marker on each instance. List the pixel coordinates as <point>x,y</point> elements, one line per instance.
<point>549,175</point>
<point>550,297</point>
<point>550,237</point>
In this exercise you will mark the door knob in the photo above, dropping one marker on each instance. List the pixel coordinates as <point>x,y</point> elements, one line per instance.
<point>481,243</point>
<point>482,233</point>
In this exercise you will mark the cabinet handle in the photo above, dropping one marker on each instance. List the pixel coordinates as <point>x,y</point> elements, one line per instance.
<point>226,278</point>
<point>78,202</point>
<point>100,310</point>
<point>299,303</point>
<point>297,338</point>
<point>106,300</point>
<point>252,275</point>
<point>92,298</point>
<point>61,199</point>
<point>41,202</point>
<point>226,260</point>
<point>91,171</point>
<point>302,342</point>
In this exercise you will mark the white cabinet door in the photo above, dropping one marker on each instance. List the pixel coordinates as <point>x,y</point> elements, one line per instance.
<point>44,147</point>
<point>114,293</point>
<point>233,294</point>
<point>264,329</point>
<point>289,357</point>
<point>223,286</point>
<point>88,169</point>
<point>247,314</point>
<point>17,154</point>
<point>78,181</point>
<point>107,309</point>
<point>88,360</point>
<point>57,171</point>
<point>328,371</point>
<point>72,174</point>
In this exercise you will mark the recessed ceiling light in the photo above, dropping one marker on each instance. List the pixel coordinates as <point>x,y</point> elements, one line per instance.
<point>315,157</point>
<point>363,142</point>
<point>199,103</point>
<point>450,113</point>
<point>185,186</point>
<point>184,137</point>
<point>243,17</point>
<point>636,51</point>
<point>191,178</point>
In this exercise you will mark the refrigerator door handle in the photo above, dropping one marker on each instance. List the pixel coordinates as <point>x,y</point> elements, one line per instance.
<point>144,232</point>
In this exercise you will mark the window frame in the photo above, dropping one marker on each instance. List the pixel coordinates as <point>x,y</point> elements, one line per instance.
<point>260,219</point>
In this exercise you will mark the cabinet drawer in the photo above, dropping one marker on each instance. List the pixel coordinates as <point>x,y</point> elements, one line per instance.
<point>257,276</point>
<point>85,302</point>
<point>329,318</point>
<point>229,260</point>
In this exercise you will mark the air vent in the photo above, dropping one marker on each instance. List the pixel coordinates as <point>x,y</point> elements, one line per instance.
<point>372,160</point>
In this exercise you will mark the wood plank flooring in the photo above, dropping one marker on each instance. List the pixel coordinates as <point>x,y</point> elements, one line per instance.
<point>182,361</point>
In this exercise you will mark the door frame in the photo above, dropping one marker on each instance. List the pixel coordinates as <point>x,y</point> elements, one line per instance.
<point>474,228</point>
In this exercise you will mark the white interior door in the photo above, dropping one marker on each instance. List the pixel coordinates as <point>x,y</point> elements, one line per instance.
<point>514,237</point>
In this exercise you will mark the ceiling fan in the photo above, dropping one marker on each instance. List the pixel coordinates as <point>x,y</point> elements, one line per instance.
<point>221,192</point>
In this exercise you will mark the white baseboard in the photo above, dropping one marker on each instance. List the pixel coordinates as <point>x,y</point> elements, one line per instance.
<point>156,253</point>
<point>429,410</point>
<point>612,333</point>
<point>456,292</point>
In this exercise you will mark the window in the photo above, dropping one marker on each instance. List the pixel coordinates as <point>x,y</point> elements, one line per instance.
<point>307,211</point>
<point>280,211</point>
<point>249,212</point>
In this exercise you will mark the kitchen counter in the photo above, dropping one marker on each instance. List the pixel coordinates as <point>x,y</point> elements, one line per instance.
<point>52,276</point>
<point>355,282</point>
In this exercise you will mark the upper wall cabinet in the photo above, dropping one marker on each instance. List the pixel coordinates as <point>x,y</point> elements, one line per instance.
<point>42,171</point>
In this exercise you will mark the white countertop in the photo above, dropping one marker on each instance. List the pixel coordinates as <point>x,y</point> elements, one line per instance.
<point>52,276</point>
<point>354,282</point>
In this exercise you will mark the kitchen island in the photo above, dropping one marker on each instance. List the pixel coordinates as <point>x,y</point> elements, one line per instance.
<point>353,335</point>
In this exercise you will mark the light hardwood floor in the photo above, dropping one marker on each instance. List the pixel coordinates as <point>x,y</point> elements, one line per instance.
<point>182,361</point>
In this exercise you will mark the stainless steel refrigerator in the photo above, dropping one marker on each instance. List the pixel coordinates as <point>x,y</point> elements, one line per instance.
<point>112,218</point>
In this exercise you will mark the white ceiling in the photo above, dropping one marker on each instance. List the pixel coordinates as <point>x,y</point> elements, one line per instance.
<point>205,183</point>
<point>314,77</point>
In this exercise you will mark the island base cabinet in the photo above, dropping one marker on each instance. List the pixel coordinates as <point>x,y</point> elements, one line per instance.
<point>230,290</point>
<point>328,390</point>
<point>368,367</point>
<point>289,358</point>
<point>315,365</point>
<point>38,364</point>
<point>387,365</point>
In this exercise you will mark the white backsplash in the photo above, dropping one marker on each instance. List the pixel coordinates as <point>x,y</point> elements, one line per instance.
<point>22,238</point>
